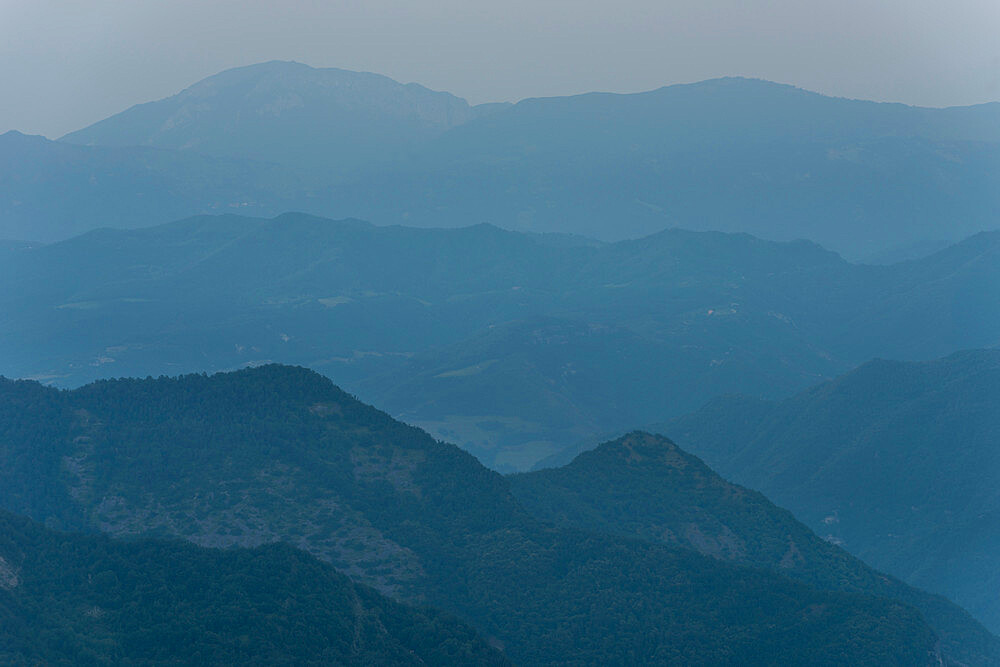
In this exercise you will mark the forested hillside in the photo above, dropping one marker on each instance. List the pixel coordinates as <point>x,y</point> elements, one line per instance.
<point>644,486</point>
<point>895,461</point>
<point>75,599</point>
<point>280,454</point>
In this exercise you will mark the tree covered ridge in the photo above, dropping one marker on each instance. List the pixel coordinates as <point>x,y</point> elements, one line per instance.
<point>280,454</point>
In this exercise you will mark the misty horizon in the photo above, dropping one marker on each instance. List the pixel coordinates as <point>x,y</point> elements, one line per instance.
<point>921,54</point>
<point>539,96</point>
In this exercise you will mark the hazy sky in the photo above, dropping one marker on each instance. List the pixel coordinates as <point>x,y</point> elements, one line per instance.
<point>65,64</point>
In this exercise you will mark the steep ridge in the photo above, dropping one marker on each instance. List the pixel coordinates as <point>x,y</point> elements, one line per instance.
<point>75,599</point>
<point>286,112</point>
<point>895,461</point>
<point>279,453</point>
<point>644,486</point>
<point>469,332</point>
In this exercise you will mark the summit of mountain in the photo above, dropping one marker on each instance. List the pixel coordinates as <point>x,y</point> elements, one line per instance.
<point>290,113</point>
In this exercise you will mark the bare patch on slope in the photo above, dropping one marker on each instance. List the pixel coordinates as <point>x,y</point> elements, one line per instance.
<point>391,464</point>
<point>9,576</point>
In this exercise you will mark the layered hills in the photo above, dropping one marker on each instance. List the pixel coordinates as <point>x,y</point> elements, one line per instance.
<point>512,345</point>
<point>895,461</point>
<point>280,454</point>
<point>570,267</point>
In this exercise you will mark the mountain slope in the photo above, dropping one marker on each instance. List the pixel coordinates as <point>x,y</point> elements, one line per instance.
<point>896,461</point>
<point>644,486</point>
<point>287,112</point>
<point>50,191</point>
<point>279,453</point>
<point>75,599</point>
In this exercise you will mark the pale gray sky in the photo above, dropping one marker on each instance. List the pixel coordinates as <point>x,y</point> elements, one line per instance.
<point>65,64</point>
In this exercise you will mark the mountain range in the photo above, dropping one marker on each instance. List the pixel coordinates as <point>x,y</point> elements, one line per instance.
<point>862,178</point>
<point>793,296</point>
<point>280,454</point>
<point>736,155</point>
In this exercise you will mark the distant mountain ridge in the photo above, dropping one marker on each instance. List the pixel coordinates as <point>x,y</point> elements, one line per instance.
<point>512,345</point>
<point>727,154</point>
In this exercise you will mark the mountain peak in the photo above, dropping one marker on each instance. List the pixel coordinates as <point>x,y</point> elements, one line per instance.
<point>742,83</point>
<point>248,391</point>
<point>288,74</point>
<point>290,113</point>
<point>14,137</point>
<point>639,448</point>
